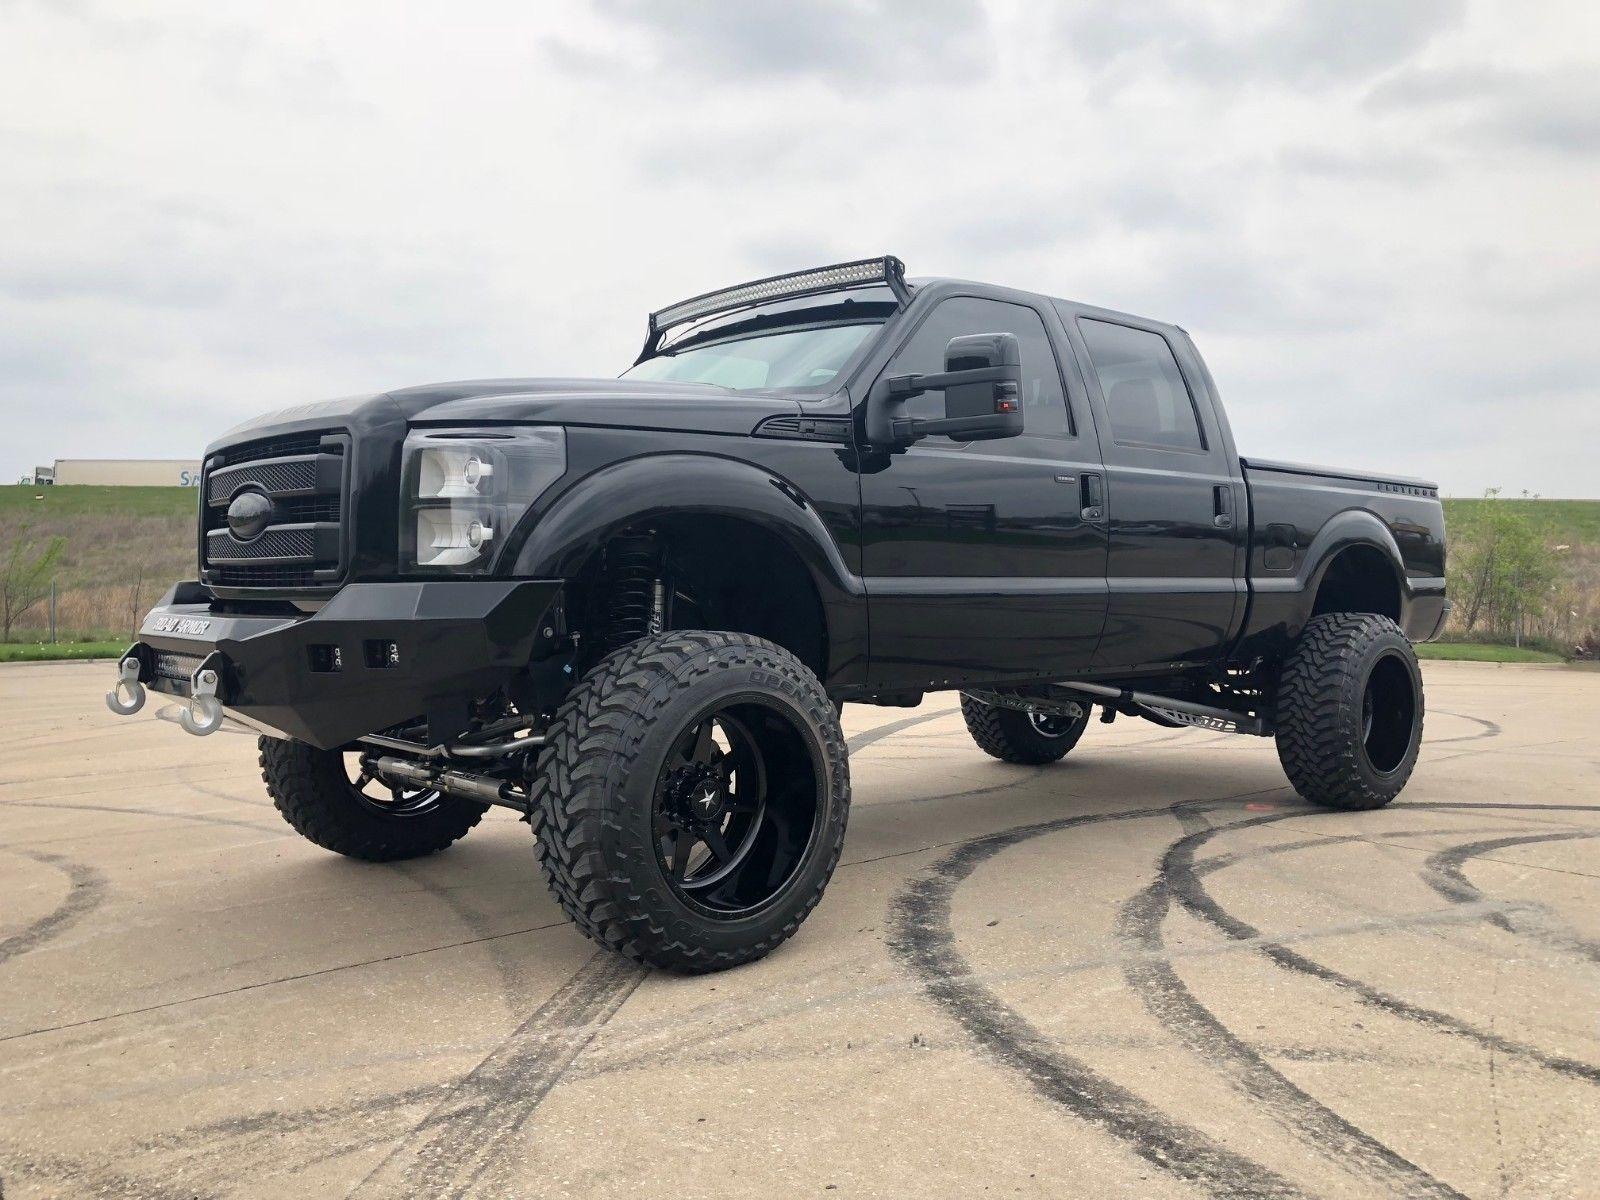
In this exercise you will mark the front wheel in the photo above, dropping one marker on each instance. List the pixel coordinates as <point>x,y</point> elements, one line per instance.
<point>1017,736</point>
<point>1349,711</point>
<point>692,797</point>
<point>332,800</point>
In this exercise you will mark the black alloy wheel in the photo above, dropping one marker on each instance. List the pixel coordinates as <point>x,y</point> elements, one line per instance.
<point>691,799</point>
<point>1349,711</point>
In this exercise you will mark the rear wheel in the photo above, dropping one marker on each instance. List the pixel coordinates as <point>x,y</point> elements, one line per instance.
<point>328,797</point>
<point>1349,711</point>
<point>1017,736</point>
<point>692,798</point>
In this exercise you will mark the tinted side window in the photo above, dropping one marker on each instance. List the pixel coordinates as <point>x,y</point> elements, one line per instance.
<point>1044,407</point>
<point>1144,390</point>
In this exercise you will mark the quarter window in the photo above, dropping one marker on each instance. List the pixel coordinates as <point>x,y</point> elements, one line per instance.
<point>1144,390</point>
<point>1044,407</point>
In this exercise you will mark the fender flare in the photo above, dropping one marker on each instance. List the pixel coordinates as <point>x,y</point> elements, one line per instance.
<point>1344,530</point>
<point>598,506</point>
<point>592,511</point>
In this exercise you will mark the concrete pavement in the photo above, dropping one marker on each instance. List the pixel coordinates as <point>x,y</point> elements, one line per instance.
<point>1145,972</point>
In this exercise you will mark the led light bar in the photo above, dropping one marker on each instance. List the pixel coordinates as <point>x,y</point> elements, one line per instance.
<point>887,269</point>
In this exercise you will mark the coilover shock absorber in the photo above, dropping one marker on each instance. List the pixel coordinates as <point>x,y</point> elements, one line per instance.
<point>633,594</point>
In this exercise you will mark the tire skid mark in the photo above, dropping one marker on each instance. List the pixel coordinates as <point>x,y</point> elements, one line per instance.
<point>922,938</point>
<point>506,960</point>
<point>877,733</point>
<point>86,892</point>
<point>466,1134</point>
<point>1165,996</point>
<point>251,1143</point>
<point>1444,873</point>
<point>88,1182</point>
<point>1487,728</point>
<point>1186,886</point>
<point>172,814</point>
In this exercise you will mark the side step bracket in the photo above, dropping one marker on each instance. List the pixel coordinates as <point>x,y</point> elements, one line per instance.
<point>1183,712</point>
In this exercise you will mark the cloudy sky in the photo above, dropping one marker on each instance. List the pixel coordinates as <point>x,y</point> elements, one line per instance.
<point>1381,220</point>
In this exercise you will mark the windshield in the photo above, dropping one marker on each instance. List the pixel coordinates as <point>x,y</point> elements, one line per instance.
<point>790,358</point>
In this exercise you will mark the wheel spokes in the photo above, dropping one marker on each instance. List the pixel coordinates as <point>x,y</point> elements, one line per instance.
<point>717,844</point>
<point>683,845</point>
<point>705,743</point>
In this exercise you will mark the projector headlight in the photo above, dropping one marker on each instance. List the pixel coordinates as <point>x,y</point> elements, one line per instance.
<point>464,490</point>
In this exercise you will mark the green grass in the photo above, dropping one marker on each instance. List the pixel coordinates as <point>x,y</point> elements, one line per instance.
<point>28,502</point>
<point>50,652</point>
<point>1572,522</point>
<point>1475,652</point>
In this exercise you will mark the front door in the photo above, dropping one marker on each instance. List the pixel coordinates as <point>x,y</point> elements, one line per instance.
<point>978,563</point>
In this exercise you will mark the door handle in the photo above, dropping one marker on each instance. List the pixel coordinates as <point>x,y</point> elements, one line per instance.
<point>1092,495</point>
<point>1222,506</point>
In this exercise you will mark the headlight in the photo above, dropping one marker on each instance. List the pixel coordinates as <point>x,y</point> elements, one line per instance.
<point>464,490</point>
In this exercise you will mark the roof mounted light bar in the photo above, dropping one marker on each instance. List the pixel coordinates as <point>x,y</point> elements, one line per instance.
<point>888,269</point>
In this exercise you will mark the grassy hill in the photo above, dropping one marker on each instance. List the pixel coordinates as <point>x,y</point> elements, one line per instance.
<point>124,547</point>
<point>127,545</point>
<point>1563,522</point>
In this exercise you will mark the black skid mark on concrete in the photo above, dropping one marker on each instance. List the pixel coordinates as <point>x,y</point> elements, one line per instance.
<point>1443,872</point>
<point>1451,806</point>
<point>878,732</point>
<point>1186,887</point>
<point>1168,999</point>
<point>254,1144</point>
<point>468,1132</point>
<point>922,938</point>
<point>85,1181</point>
<point>1487,729</point>
<point>86,892</point>
<point>169,814</point>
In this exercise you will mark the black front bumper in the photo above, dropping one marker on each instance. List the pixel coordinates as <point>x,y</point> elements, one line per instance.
<point>376,655</point>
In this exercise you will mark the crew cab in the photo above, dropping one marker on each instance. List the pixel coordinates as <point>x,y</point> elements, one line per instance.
<point>630,609</point>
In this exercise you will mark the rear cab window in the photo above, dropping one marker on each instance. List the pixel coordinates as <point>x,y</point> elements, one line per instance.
<point>1145,395</point>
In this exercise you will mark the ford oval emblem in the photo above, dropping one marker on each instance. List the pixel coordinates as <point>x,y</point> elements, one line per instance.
<point>249,515</point>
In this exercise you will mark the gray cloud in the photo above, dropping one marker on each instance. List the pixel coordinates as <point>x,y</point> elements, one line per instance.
<point>1555,110</point>
<point>1375,221</point>
<point>1306,43</point>
<point>849,43</point>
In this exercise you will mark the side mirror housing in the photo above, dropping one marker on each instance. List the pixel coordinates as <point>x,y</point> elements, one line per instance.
<point>981,382</point>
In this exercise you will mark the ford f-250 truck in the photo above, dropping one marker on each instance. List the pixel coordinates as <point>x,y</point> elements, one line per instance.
<point>630,609</point>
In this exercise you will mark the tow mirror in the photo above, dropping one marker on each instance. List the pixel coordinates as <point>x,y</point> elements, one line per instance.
<point>981,382</point>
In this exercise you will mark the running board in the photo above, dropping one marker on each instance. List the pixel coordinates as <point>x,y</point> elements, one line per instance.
<point>1183,712</point>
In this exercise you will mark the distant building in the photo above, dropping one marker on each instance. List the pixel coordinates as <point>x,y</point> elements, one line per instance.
<point>125,472</point>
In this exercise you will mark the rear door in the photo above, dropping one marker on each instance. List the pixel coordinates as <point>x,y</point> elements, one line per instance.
<point>1174,501</point>
<point>978,561</point>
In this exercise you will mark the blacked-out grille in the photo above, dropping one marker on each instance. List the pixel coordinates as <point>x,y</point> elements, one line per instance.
<point>276,447</point>
<point>302,477</point>
<point>254,575</point>
<point>295,509</point>
<point>283,542</point>
<point>270,475</point>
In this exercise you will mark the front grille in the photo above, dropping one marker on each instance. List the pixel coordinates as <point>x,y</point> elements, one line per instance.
<point>302,545</point>
<point>276,447</point>
<point>292,542</point>
<point>251,576</point>
<point>276,476</point>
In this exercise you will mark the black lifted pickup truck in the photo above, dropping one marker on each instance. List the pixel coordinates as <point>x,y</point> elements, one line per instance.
<point>630,609</point>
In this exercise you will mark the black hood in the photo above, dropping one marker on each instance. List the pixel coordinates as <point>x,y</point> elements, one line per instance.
<point>620,403</point>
